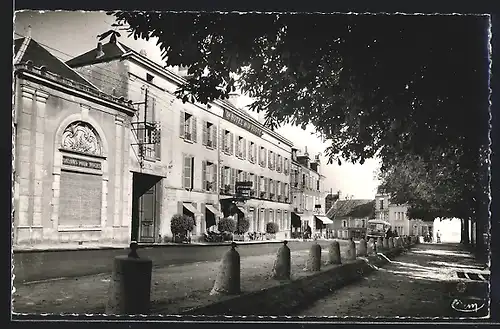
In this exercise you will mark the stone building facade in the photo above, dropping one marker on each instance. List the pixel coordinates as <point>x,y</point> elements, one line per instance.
<point>69,155</point>
<point>201,153</point>
<point>307,194</point>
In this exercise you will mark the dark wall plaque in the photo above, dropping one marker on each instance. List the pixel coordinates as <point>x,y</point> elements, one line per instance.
<point>75,162</point>
<point>245,124</point>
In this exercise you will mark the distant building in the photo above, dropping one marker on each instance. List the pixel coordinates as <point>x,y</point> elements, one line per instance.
<point>350,217</point>
<point>397,216</point>
<point>71,168</point>
<point>307,194</point>
<point>330,200</point>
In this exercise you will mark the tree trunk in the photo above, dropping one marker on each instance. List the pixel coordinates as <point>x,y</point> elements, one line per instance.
<point>465,231</point>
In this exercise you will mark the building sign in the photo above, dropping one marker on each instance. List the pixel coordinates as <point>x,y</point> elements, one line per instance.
<point>69,161</point>
<point>245,124</point>
<point>243,189</point>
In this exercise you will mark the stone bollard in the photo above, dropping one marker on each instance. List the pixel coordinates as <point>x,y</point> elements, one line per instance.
<point>228,278</point>
<point>281,268</point>
<point>391,243</point>
<point>379,244</point>
<point>397,242</point>
<point>334,253</point>
<point>370,247</point>
<point>362,251</point>
<point>130,286</point>
<point>385,243</point>
<point>313,264</point>
<point>351,251</point>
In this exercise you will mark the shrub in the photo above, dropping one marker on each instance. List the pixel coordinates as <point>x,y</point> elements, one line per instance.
<point>227,225</point>
<point>272,228</point>
<point>181,224</point>
<point>243,226</point>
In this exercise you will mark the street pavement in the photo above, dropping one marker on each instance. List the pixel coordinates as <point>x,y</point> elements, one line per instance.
<point>50,265</point>
<point>175,287</point>
<point>430,280</point>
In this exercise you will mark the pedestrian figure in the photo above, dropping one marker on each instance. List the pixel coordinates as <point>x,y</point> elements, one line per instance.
<point>438,236</point>
<point>388,234</point>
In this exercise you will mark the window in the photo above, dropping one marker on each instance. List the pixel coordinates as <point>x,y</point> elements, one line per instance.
<point>271,216</point>
<point>287,192</point>
<point>262,156</point>
<point>251,178</point>
<point>286,166</point>
<point>228,180</point>
<point>363,223</point>
<point>241,176</point>
<point>271,189</point>
<point>188,127</point>
<point>382,204</point>
<point>279,220</point>
<point>209,135</point>
<point>228,142</point>
<point>344,223</point>
<point>279,190</point>
<point>279,164</point>
<point>241,148</point>
<point>251,151</point>
<point>262,186</point>
<point>317,185</point>
<point>272,159</point>
<point>188,172</point>
<point>304,182</point>
<point>209,176</point>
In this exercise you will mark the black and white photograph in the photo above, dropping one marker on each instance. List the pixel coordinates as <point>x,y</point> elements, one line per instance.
<point>308,166</point>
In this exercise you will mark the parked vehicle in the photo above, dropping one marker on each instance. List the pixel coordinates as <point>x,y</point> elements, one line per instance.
<point>377,228</point>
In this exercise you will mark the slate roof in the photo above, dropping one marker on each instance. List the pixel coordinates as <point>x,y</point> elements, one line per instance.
<point>352,208</point>
<point>40,56</point>
<point>111,50</point>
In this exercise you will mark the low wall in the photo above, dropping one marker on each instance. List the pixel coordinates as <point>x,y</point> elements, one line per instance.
<point>286,299</point>
<point>51,264</point>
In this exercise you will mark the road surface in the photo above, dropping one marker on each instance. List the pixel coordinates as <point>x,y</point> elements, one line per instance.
<point>428,281</point>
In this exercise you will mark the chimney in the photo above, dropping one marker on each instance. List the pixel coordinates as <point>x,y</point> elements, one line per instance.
<point>28,32</point>
<point>339,193</point>
<point>305,152</point>
<point>100,52</point>
<point>143,53</point>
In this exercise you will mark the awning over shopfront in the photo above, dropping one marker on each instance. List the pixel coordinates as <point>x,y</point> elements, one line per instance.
<point>243,211</point>
<point>214,210</point>
<point>189,207</point>
<point>324,219</point>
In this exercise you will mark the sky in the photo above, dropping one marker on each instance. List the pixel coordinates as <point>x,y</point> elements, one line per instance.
<point>69,34</point>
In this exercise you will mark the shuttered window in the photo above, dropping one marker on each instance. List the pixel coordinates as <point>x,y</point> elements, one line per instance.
<point>188,172</point>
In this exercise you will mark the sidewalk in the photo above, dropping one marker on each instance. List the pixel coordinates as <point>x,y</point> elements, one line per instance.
<point>430,280</point>
<point>175,287</point>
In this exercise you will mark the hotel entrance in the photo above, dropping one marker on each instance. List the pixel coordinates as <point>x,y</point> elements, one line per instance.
<point>146,201</point>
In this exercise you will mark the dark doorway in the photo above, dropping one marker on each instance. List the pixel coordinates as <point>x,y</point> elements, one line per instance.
<point>146,199</point>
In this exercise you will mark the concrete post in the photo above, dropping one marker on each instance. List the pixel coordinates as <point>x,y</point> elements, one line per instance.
<point>351,251</point>
<point>281,268</point>
<point>130,286</point>
<point>314,261</point>
<point>228,278</point>
<point>334,253</point>
<point>391,243</point>
<point>362,251</point>
<point>371,248</point>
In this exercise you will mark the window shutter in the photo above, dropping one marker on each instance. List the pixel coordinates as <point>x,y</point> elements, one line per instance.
<point>244,142</point>
<point>266,185</point>
<point>275,160</point>
<point>157,146</point>
<point>238,146</point>
<point>222,178</point>
<point>214,176</point>
<point>270,159</point>
<point>215,136</point>
<point>194,138</point>
<point>264,154</point>
<point>182,125</point>
<point>245,176</point>
<point>249,150</point>
<point>204,175</point>
<point>259,156</point>
<point>233,179</point>
<point>205,133</point>
<point>187,172</point>
<point>231,143</point>
<point>223,139</point>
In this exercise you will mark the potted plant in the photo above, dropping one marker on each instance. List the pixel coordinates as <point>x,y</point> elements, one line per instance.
<point>227,226</point>
<point>241,228</point>
<point>271,230</point>
<point>181,226</point>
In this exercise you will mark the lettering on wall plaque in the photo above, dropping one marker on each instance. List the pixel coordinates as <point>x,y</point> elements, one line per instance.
<point>69,161</point>
<point>239,121</point>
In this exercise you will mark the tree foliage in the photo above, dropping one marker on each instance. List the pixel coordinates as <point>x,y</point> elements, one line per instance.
<point>373,85</point>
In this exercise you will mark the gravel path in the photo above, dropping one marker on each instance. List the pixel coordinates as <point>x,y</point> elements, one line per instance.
<point>422,283</point>
<point>174,288</point>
